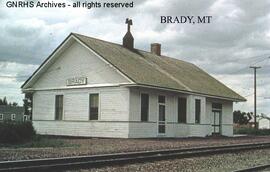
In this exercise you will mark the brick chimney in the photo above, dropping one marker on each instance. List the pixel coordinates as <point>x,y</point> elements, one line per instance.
<point>156,48</point>
<point>128,40</point>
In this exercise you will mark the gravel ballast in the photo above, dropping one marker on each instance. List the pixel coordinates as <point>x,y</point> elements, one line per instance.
<point>214,163</point>
<point>91,146</point>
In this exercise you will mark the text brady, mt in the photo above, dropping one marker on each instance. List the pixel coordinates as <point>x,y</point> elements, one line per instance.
<point>185,19</point>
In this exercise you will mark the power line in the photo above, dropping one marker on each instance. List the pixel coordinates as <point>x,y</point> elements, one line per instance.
<point>249,95</point>
<point>246,67</point>
<point>8,76</point>
<point>250,59</point>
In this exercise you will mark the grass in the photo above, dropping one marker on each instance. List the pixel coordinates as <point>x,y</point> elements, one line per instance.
<point>252,131</point>
<point>41,142</point>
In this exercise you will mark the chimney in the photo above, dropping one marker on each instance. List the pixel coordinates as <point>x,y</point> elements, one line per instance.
<point>156,48</point>
<point>128,40</point>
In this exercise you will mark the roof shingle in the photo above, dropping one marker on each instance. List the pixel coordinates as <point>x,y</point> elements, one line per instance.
<point>146,68</point>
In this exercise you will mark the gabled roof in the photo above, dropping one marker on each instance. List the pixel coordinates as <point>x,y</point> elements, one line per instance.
<point>145,68</point>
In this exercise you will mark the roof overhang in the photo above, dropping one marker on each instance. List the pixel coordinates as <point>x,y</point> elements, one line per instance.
<point>187,92</point>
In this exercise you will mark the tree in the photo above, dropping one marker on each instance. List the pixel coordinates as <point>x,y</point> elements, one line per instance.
<point>5,101</point>
<point>14,104</point>
<point>27,103</point>
<point>241,117</point>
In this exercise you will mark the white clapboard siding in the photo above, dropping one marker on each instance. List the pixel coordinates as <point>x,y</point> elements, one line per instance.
<point>135,104</point>
<point>76,112</point>
<point>173,129</point>
<point>77,61</point>
<point>43,103</point>
<point>191,116</point>
<point>170,108</point>
<point>181,130</point>
<point>226,115</point>
<point>192,130</point>
<point>121,106</point>
<point>79,128</point>
<point>142,129</point>
<point>208,111</point>
<point>227,130</point>
<point>76,105</point>
<point>115,105</point>
<point>227,119</point>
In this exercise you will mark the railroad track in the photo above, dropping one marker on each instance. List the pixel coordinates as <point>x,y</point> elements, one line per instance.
<point>254,169</point>
<point>94,161</point>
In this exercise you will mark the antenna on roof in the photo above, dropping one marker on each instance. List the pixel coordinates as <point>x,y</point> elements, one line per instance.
<point>128,22</point>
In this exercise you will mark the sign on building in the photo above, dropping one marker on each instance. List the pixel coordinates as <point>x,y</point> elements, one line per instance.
<point>76,81</point>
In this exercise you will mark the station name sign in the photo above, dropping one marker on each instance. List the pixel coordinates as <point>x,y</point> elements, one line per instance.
<point>76,81</point>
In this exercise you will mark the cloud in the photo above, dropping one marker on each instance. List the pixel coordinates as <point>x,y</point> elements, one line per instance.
<point>12,77</point>
<point>237,37</point>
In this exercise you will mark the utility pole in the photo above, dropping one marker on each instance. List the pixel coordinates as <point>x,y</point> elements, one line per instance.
<point>255,96</point>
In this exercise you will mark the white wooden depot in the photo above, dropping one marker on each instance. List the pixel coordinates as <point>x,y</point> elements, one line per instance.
<point>119,104</point>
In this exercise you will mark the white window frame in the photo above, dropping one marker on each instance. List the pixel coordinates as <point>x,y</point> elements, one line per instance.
<point>1,117</point>
<point>13,117</point>
<point>177,99</point>
<point>63,107</point>
<point>165,122</point>
<point>99,105</point>
<point>200,112</point>
<point>148,110</point>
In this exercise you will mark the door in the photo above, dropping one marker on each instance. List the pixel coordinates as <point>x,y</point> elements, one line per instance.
<point>161,120</point>
<point>216,120</point>
<point>161,115</point>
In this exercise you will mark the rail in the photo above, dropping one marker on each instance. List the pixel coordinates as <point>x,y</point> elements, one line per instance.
<point>94,161</point>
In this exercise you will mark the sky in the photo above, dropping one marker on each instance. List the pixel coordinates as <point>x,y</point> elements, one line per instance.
<point>237,37</point>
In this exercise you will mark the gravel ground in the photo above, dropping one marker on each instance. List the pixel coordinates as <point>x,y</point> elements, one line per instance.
<point>213,163</point>
<point>90,146</point>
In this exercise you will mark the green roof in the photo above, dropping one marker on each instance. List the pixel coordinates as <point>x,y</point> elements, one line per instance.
<point>145,68</point>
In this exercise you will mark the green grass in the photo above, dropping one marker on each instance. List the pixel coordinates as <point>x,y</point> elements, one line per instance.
<point>252,131</point>
<point>41,142</point>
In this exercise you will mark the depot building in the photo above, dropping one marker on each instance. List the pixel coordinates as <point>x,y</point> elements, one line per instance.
<point>95,88</point>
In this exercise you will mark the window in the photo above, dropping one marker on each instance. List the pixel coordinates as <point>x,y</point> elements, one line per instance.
<point>161,99</point>
<point>197,110</point>
<point>94,102</point>
<point>144,107</point>
<point>58,107</point>
<point>161,115</point>
<point>161,119</point>
<point>216,106</point>
<point>13,117</point>
<point>182,110</point>
<point>1,117</point>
